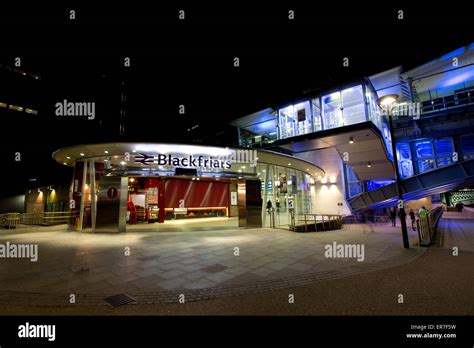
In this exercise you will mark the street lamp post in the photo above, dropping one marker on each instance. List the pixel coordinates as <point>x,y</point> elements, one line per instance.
<point>386,101</point>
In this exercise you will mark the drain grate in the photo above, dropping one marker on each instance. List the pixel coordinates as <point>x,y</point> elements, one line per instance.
<point>119,300</point>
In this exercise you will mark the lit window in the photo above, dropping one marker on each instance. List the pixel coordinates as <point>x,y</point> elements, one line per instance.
<point>16,108</point>
<point>424,149</point>
<point>31,111</point>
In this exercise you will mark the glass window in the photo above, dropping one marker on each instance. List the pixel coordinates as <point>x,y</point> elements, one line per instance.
<point>316,110</point>
<point>303,118</point>
<point>467,146</point>
<point>373,107</point>
<point>404,160</point>
<point>444,151</point>
<point>295,120</point>
<point>286,122</point>
<point>355,186</point>
<point>353,107</point>
<point>425,165</point>
<point>375,184</point>
<point>444,147</point>
<point>443,161</point>
<point>351,175</point>
<point>332,113</point>
<point>424,149</point>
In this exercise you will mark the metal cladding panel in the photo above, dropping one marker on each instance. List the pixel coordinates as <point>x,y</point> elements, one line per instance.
<point>469,167</point>
<point>241,198</point>
<point>253,203</point>
<point>442,175</point>
<point>112,204</point>
<point>411,184</point>
<point>376,195</point>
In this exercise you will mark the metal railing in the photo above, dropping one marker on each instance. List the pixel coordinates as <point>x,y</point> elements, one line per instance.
<point>363,219</point>
<point>11,220</point>
<point>427,227</point>
<point>315,222</point>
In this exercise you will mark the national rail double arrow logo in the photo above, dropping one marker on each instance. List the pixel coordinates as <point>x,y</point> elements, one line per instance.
<point>144,159</point>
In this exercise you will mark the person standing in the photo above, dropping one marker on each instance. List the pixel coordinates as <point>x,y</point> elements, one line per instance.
<point>393,216</point>
<point>423,213</point>
<point>412,217</point>
<point>269,206</point>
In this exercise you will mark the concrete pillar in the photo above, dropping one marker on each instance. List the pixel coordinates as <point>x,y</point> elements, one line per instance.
<point>93,194</point>
<point>83,195</point>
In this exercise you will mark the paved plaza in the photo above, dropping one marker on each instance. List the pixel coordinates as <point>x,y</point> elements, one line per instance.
<point>162,264</point>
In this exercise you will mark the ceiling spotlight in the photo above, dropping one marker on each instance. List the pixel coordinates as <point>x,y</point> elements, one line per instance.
<point>106,151</point>
<point>123,163</point>
<point>351,140</point>
<point>132,179</point>
<point>68,157</point>
<point>369,165</point>
<point>81,154</point>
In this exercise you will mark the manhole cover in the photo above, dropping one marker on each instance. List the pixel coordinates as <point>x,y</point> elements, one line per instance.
<point>119,300</point>
<point>215,268</point>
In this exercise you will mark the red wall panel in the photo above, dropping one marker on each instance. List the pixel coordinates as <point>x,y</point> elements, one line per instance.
<point>196,193</point>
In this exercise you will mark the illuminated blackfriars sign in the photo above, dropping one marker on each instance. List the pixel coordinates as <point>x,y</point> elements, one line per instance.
<point>189,161</point>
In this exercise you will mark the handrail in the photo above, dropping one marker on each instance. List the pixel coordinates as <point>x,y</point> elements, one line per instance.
<point>11,220</point>
<point>332,220</point>
<point>427,227</point>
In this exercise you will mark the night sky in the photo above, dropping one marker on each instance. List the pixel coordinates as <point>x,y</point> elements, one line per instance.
<point>190,62</point>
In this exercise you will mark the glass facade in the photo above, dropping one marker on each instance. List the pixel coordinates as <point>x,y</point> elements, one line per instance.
<point>337,109</point>
<point>279,185</point>
<point>340,108</point>
<point>354,185</point>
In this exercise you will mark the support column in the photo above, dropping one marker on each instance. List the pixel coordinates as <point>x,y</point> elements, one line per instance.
<point>401,206</point>
<point>265,193</point>
<point>161,201</point>
<point>93,194</point>
<point>83,195</point>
